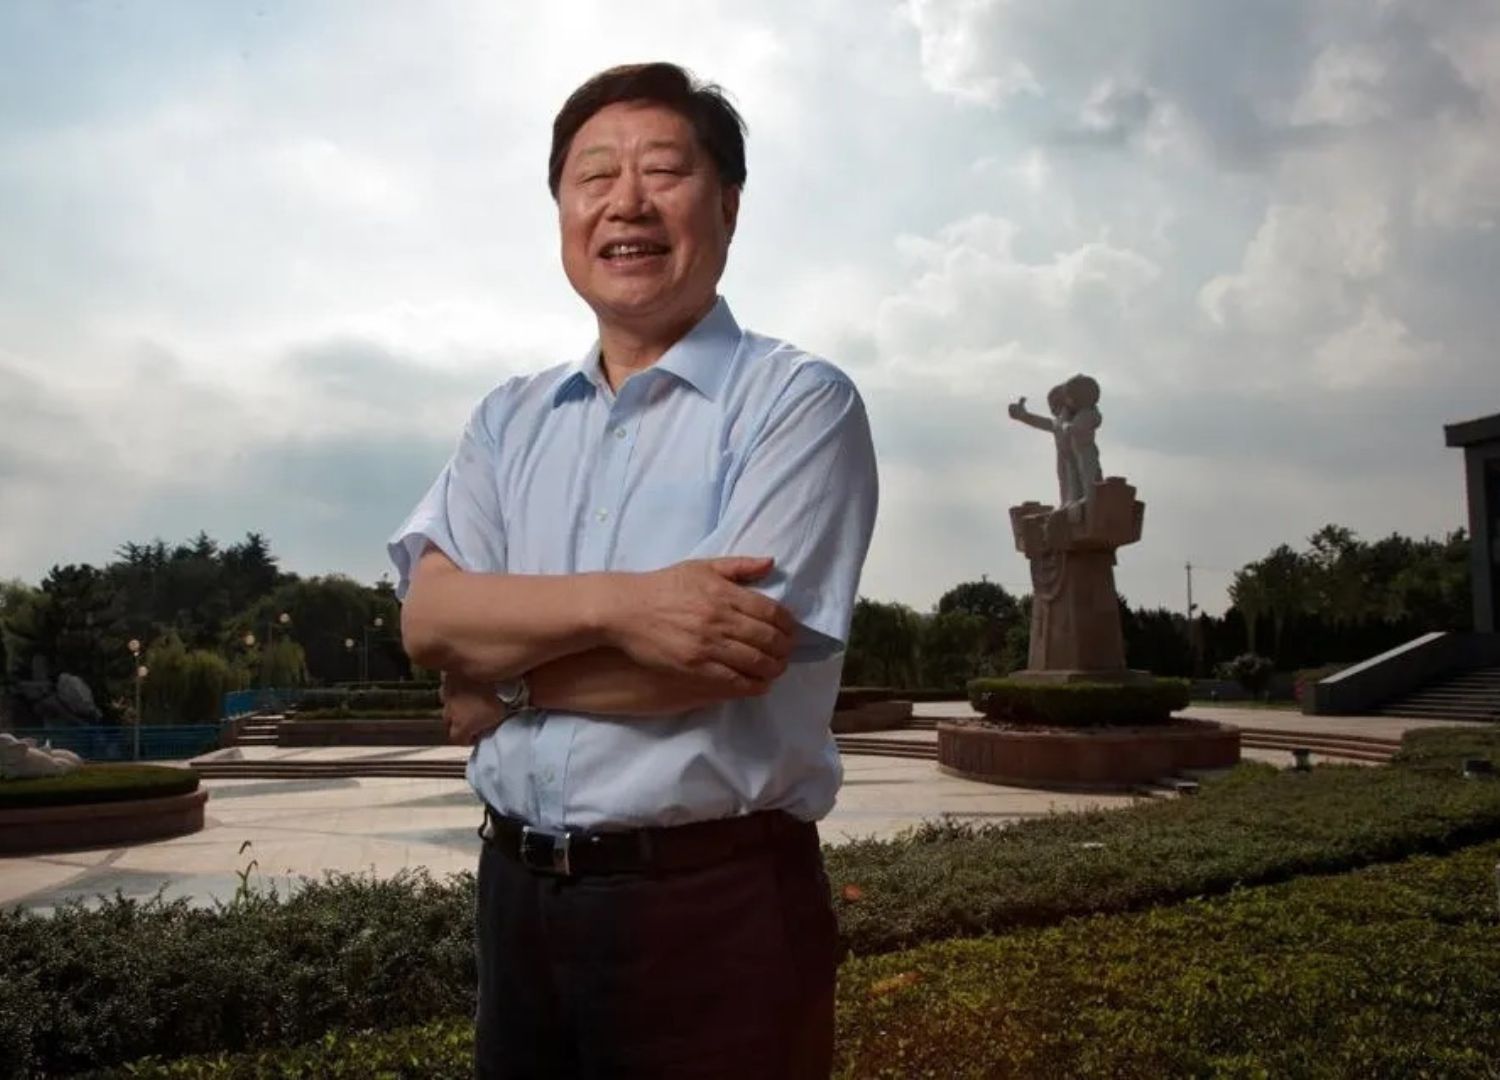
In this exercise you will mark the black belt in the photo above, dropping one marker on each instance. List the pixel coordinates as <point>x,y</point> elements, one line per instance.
<point>571,852</point>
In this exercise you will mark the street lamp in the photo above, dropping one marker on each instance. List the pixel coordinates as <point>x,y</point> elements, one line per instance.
<point>349,647</point>
<point>285,621</point>
<point>140,676</point>
<point>134,645</point>
<point>364,674</point>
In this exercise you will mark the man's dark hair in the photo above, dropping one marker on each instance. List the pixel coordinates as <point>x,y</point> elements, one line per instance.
<point>718,125</point>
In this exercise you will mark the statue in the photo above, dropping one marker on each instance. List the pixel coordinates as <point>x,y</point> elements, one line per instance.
<point>1075,417</point>
<point>22,759</point>
<point>1075,620</point>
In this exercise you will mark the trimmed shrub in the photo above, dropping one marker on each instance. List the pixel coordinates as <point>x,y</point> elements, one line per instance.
<point>1257,824</point>
<point>1443,751</point>
<point>134,978</point>
<point>1251,671</point>
<point>1078,704</point>
<point>855,697</point>
<point>437,1051</point>
<point>1393,971</point>
<point>131,979</point>
<point>1304,681</point>
<point>98,784</point>
<point>367,714</point>
<point>410,701</point>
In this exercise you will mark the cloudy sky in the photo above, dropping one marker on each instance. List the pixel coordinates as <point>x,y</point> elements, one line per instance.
<point>258,260</point>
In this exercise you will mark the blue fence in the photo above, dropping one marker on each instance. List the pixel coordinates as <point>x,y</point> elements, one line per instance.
<point>265,699</point>
<point>118,743</point>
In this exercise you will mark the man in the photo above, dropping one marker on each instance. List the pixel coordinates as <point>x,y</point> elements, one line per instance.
<point>637,573</point>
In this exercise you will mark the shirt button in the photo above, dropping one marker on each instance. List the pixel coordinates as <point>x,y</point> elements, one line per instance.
<point>601,514</point>
<point>619,432</point>
<point>549,776</point>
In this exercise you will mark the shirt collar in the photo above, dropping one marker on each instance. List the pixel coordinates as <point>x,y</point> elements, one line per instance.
<point>700,358</point>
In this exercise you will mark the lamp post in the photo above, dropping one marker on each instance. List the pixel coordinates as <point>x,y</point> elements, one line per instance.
<point>349,647</point>
<point>285,621</point>
<point>134,645</point>
<point>364,673</point>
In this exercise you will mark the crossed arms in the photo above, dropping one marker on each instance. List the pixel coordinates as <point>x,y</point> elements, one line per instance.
<point>695,633</point>
<point>609,643</point>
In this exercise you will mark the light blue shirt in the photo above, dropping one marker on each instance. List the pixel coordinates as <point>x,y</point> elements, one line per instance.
<point>731,444</point>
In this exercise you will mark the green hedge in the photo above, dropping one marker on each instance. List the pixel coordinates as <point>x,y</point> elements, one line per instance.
<point>366,714</point>
<point>1079,704</point>
<point>856,697</point>
<point>86,988</point>
<point>1393,971</point>
<point>98,784</point>
<point>1443,751</point>
<point>1257,825</point>
<point>140,978</point>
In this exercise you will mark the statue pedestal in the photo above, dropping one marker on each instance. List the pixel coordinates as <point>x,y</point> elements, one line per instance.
<point>1075,613</point>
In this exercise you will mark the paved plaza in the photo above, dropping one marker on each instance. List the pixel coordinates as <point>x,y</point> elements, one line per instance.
<point>304,827</point>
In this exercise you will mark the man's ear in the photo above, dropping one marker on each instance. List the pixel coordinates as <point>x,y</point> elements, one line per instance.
<point>730,204</point>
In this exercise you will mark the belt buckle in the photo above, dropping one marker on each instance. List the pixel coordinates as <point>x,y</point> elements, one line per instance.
<point>545,852</point>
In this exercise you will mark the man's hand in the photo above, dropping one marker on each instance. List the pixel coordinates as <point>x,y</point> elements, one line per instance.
<point>470,709</point>
<point>697,618</point>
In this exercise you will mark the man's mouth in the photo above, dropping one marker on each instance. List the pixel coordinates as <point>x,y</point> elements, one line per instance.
<point>624,251</point>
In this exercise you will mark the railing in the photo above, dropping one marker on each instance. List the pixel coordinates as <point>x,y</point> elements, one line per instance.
<point>239,703</point>
<point>173,743</point>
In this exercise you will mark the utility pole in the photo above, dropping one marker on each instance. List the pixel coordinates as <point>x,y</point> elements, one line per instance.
<point>1194,644</point>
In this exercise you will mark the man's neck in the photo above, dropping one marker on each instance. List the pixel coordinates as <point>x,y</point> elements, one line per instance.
<point>626,349</point>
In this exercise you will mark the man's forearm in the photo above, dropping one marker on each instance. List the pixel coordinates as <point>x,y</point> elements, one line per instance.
<point>607,682</point>
<point>489,627</point>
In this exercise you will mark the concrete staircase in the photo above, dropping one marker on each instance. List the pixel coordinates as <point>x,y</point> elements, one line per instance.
<point>1471,695</point>
<point>259,730</point>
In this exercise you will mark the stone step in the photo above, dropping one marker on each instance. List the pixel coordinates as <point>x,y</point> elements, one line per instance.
<point>1379,741</point>
<point>1378,757</point>
<point>1456,711</point>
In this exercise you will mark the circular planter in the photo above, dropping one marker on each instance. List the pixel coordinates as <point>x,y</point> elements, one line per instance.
<point>35,829</point>
<point>1091,757</point>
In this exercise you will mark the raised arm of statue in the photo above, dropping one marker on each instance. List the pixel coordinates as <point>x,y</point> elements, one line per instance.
<point>1019,412</point>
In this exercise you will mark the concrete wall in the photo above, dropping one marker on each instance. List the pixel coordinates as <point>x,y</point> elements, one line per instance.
<point>1381,679</point>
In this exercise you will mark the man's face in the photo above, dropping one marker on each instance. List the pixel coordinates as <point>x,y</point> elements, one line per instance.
<point>645,222</point>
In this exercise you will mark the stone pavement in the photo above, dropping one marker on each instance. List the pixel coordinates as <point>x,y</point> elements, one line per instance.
<point>304,827</point>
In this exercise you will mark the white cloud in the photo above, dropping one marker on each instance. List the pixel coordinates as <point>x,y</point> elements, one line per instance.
<point>1303,268</point>
<point>257,267</point>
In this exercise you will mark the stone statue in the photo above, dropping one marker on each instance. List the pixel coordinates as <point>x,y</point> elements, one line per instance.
<point>22,759</point>
<point>1075,617</point>
<point>1075,417</point>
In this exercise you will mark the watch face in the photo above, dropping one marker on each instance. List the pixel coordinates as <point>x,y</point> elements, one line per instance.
<point>509,691</point>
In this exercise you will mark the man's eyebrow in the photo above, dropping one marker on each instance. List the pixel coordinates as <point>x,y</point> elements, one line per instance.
<point>594,151</point>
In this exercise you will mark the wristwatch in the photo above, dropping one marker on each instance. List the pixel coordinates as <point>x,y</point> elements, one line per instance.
<point>514,695</point>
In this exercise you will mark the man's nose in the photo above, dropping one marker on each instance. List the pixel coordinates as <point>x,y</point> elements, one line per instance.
<point>628,199</point>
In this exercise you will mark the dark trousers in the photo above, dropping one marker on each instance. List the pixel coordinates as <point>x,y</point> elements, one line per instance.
<point>723,972</point>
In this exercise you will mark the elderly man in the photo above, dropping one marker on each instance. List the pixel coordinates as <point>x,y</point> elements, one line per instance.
<point>637,574</point>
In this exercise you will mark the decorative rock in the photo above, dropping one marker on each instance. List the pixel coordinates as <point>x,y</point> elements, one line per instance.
<point>22,759</point>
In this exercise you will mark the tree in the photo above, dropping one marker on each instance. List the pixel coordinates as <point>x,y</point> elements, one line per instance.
<point>992,603</point>
<point>1247,592</point>
<point>883,645</point>
<point>325,612</point>
<point>954,649</point>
